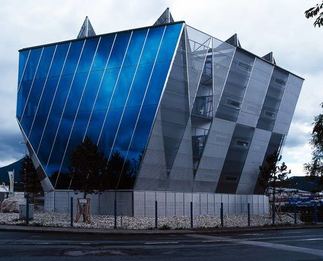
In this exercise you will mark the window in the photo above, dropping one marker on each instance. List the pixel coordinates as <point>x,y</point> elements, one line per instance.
<point>231,178</point>
<point>269,114</point>
<point>233,103</point>
<point>280,81</point>
<point>242,143</point>
<point>244,66</point>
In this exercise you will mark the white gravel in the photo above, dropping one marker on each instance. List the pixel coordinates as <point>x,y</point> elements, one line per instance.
<point>107,222</point>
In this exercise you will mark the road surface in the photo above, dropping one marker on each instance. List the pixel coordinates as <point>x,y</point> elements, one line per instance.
<point>293,244</point>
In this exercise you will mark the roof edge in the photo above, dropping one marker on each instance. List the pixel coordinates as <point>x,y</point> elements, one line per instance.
<point>98,35</point>
<point>259,57</point>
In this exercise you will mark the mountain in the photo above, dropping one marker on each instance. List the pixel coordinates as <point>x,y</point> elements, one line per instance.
<point>16,166</point>
<point>307,183</point>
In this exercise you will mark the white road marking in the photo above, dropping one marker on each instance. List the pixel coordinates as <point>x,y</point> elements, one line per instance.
<point>313,239</point>
<point>302,237</point>
<point>252,234</point>
<point>211,241</point>
<point>160,242</point>
<point>305,250</point>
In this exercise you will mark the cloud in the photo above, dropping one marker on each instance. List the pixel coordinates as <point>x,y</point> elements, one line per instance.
<point>11,147</point>
<point>262,26</point>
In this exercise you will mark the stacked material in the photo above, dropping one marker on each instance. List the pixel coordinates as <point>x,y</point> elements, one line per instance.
<point>11,204</point>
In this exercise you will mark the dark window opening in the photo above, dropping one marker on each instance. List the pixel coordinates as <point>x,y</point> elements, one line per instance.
<point>233,103</point>
<point>280,81</point>
<point>245,66</point>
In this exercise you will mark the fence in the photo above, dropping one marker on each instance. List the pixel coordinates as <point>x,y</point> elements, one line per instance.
<point>169,204</point>
<point>101,203</point>
<point>178,204</point>
<point>312,213</point>
<point>163,210</point>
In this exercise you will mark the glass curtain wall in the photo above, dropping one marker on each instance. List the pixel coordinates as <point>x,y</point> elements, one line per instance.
<point>199,55</point>
<point>106,88</point>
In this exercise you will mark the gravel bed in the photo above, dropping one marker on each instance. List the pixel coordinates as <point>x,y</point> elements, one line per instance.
<point>107,222</point>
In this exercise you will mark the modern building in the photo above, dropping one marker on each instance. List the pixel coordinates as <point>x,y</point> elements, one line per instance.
<point>185,111</point>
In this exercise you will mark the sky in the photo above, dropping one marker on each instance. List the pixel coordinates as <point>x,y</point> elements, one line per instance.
<point>262,26</point>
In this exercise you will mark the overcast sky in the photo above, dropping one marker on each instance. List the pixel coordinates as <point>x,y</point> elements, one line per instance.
<point>262,26</point>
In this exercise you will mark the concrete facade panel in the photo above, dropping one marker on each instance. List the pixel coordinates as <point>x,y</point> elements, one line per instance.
<point>255,157</point>
<point>288,104</point>
<point>255,93</point>
<point>214,155</point>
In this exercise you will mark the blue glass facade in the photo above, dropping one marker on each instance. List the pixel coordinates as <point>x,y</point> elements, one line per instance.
<point>106,88</point>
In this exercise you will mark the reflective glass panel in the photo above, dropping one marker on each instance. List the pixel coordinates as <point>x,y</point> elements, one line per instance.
<point>105,91</point>
<point>74,97</point>
<point>27,78</point>
<point>36,89</point>
<point>82,89</point>
<point>46,99</point>
<point>58,102</point>
<point>152,98</point>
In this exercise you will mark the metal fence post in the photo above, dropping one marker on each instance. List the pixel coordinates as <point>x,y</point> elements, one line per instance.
<point>248,214</point>
<point>221,214</point>
<point>315,214</point>
<point>191,214</point>
<point>72,215</point>
<point>156,215</point>
<point>273,213</point>
<point>295,215</point>
<point>27,209</point>
<point>115,210</point>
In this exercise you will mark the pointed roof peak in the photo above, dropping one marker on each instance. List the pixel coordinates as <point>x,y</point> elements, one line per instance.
<point>269,57</point>
<point>86,29</point>
<point>234,40</point>
<point>165,18</point>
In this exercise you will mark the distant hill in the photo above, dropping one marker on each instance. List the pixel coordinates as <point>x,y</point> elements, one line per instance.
<point>306,183</point>
<point>13,166</point>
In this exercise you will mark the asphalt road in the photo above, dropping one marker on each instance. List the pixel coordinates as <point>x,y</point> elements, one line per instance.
<point>297,244</point>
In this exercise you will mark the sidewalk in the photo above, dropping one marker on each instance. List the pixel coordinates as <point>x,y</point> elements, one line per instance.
<point>37,229</point>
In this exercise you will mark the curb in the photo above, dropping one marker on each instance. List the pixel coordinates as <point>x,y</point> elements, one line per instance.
<point>234,230</point>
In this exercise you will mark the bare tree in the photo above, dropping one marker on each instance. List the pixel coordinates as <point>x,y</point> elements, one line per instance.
<point>30,178</point>
<point>315,11</point>
<point>315,167</point>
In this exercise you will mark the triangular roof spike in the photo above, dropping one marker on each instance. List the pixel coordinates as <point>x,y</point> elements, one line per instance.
<point>233,40</point>
<point>165,18</point>
<point>86,29</point>
<point>269,57</point>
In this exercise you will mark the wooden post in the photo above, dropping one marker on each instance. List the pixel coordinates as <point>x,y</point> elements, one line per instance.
<point>83,209</point>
